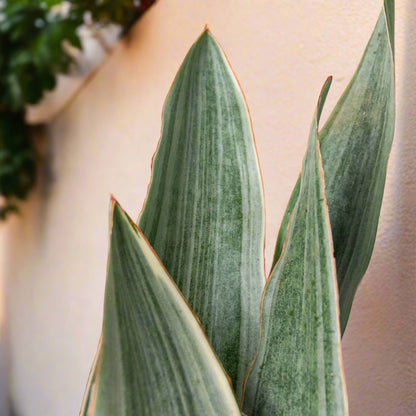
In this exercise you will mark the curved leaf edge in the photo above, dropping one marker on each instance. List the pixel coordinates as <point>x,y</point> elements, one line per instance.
<point>388,14</point>
<point>91,385</point>
<point>388,11</point>
<point>207,31</point>
<point>320,104</point>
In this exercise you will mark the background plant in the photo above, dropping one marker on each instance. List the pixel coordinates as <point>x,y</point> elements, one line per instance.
<point>200,237</point>
<point>34,39</point>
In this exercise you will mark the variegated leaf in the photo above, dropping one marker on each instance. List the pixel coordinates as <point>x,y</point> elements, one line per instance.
<point>298,367</point>
<point>355,144</point>
<point>204,210</point>
<point>154,358</point>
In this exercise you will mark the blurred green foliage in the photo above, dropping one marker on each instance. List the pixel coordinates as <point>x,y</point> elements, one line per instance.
<point>31,51</point>
<point>17,160</point>
<point>33,35</point>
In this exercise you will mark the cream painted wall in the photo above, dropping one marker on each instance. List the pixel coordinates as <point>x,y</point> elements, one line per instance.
<point>54,256</point>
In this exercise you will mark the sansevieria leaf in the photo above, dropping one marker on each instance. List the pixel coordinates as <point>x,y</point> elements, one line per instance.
<point>154,358</point>
<point>298,367</point>
<point>355,145</point>
<point>204,210</point>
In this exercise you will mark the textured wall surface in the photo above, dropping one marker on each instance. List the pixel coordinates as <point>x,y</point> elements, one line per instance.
<point>54,256</point>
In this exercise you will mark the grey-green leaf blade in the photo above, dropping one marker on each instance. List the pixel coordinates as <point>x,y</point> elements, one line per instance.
<point>154,358</point>
<point>298,367</point>
<point>355,145</point>
<point>281,237</point>
<point>204,213</point>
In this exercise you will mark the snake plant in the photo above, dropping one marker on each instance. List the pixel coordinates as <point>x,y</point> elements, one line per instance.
<point>191,324</point>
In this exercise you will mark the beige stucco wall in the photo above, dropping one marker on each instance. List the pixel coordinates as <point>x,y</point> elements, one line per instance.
<point>54,254</point>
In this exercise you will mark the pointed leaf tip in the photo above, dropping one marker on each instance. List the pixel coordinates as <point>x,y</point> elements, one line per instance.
<point>154,356</point>
<point>281,238</point>
<point>299,372</point>
<point>204,210</point>
<point>389,15</point>
<point>322,99</point>
<point>205,36</point>
<point>113,201</point>
<point>355,144</point>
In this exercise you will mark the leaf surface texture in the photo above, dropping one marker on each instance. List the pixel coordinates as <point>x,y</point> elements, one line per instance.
<point>355,145</point>
<point>154,358</point>
<point>204,213</point>
<point>298,367</point>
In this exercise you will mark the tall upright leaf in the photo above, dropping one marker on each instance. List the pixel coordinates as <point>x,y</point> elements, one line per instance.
<point>204,210</point>
<point>154,358</point>
<point>355,144</point>
<point>298,367</point>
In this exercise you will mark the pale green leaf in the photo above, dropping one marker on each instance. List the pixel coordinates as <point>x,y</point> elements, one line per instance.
<point>204,210</point>
<point>298,367</point>
<point>154,358</point>
<point>355,145</point>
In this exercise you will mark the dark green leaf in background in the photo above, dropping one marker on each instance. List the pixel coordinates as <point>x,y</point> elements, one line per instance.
<point>17,157</point>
